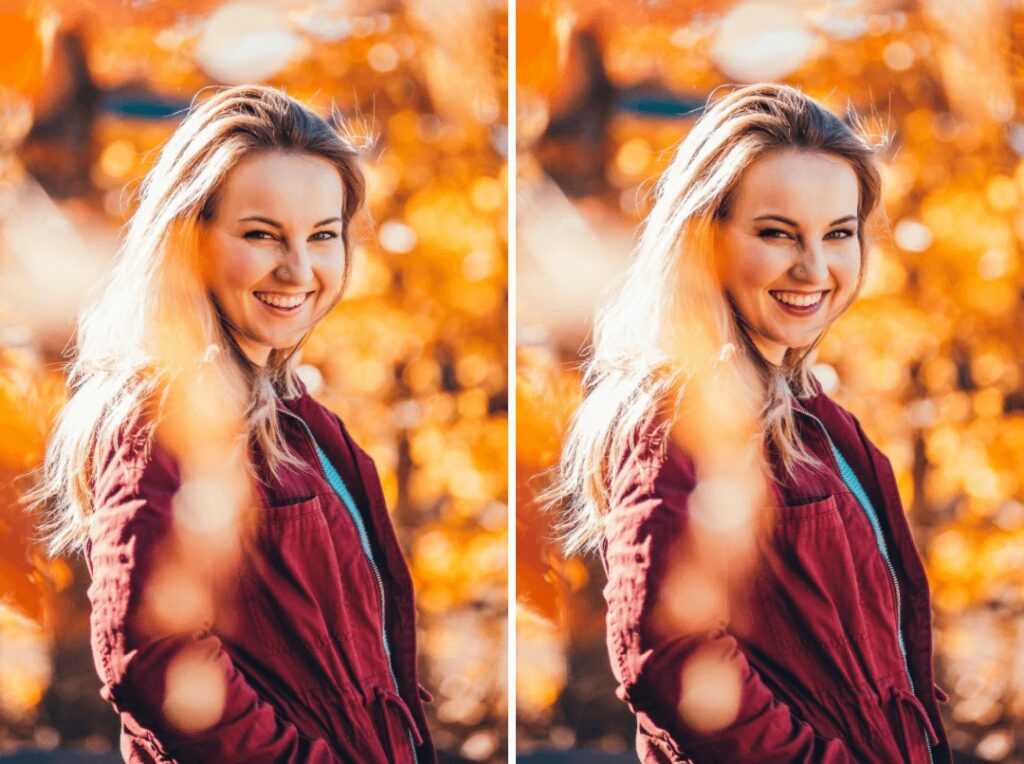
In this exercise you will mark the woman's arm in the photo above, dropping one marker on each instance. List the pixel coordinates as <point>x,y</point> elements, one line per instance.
<point>127,534</point>
<point>646,524</point>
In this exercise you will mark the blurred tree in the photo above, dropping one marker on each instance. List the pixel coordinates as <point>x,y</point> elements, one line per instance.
<point>928,358</point>
<point>414,359</point>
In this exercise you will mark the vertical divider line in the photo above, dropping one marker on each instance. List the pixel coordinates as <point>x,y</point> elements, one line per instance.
<point>511,372</point>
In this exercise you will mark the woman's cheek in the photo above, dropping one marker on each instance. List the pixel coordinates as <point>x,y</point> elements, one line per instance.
<point>762,266</point>
<point>331,271</point>
<point>247,264</point>
<point>742,265</point>
<point>848,270</point>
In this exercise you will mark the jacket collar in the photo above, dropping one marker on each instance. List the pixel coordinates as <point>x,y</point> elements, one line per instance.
<point>298,400</point>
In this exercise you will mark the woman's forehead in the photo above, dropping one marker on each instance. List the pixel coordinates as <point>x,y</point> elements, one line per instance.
<point>800,185</point>
<point>290,187</point>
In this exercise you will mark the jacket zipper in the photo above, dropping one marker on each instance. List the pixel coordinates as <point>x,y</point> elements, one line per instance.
<point>343,493</point>
<point>880,544</point>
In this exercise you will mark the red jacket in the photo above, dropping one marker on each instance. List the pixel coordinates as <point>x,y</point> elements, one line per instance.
<point>822,678</point>
<point>307,679</point>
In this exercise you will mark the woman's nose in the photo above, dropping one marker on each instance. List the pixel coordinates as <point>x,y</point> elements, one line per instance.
<point>810,266</point>
<point>296,267</point>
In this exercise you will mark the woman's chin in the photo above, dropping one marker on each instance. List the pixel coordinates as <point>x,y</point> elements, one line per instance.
<point>258,347</point>
<point>796,341</point>
<point>281,340</point>
<point>282,347</point>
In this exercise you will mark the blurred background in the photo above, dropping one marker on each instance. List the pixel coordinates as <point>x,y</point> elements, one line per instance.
<point>414,359</point>
<point>929,358</point>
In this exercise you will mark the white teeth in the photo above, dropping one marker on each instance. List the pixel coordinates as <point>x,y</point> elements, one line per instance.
<point>798,299</point>
<point>281,301</point>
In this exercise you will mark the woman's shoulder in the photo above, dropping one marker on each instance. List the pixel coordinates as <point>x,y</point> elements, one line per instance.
<point>132,462</point>
<point>648,506</point>
<point>652,465</point>
<point>840,421</point>
<point>324,421</point>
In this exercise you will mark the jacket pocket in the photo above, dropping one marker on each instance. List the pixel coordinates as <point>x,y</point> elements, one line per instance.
<point>292,611</point>
<point>803,511</point>
<point>808,595</point>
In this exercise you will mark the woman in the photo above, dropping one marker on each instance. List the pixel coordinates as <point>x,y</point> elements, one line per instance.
<point>249,598</point>
<point>765,599</point>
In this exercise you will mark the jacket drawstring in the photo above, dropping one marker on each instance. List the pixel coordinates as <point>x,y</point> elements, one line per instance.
<point>909,700</point>
<point>388,697</point>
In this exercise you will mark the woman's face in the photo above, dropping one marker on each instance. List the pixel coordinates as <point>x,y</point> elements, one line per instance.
<point>272,252</point>
<point>789,247</point>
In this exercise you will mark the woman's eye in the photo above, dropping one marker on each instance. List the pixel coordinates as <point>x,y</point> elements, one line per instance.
<point>258,235</point>
<point>324,235</point>
<point>774,233</point>
<point>841,233</point>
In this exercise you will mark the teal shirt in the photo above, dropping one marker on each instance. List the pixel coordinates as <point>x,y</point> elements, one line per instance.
<point>857,489</point>
<point>853,483</point>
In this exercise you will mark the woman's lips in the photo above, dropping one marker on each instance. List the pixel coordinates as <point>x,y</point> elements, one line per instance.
<point>798,303</point>
<point>282,304</point>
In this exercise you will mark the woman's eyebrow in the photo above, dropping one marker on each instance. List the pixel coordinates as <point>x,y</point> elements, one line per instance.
<point>788,221</point>
<point>846,219</point>
<point>780,218</point>
<point>260,219</point>
<point>275,224</point>
<point>325,221</point>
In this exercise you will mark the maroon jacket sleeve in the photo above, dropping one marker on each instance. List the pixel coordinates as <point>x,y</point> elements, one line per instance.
<point>131,520</point>
<point>648,518</point>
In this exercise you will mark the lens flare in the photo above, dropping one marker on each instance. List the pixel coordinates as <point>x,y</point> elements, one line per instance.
<point>195,692</point>
<point>711,691</point>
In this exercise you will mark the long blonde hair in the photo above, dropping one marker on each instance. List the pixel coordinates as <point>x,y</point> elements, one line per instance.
<point>154,319</point>
<point>670,320</point>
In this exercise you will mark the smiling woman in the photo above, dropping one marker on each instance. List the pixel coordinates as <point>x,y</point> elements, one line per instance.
<point>249,598</point>
<point>765,599</point>
<point>275,258</point>
<point>789,248</point>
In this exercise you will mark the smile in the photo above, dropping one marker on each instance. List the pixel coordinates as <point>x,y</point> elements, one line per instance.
<point>800,303</point>
<point>282,303</point>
